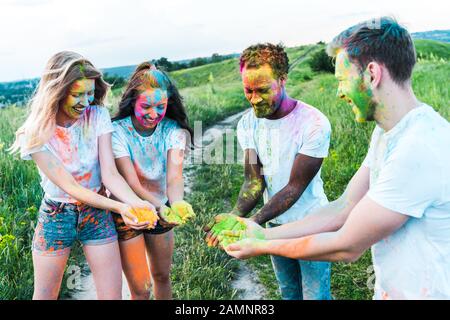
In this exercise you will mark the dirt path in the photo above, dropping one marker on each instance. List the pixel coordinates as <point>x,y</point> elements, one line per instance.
<point>246,283</point>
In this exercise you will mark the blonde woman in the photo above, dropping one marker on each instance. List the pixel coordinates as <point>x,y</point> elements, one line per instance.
<point>68,135</point>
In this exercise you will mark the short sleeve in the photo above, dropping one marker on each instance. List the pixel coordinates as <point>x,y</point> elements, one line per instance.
<point>316,139</point>
<point>176,139</point>
<point>119,144</point>
<point>373,142</point>
<point>104,124</point>
<point>25,154</point>
<point>245,133</point>
<point>409,181</point>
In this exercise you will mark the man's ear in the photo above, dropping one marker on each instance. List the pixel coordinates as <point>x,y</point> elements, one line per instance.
<point>282,81</point>
<point>375,71</point>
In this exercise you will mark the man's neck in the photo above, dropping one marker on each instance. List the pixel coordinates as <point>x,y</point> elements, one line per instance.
<point>286,106</point>
<point>394,105</point>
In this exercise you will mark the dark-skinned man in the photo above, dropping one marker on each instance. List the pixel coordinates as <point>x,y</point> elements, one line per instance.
<point>284,143</point>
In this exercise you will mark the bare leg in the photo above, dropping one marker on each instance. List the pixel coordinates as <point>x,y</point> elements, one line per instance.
<point>160,251</point>
<point>104,261</point>
<point>48,275</point>
<point>135,267</point>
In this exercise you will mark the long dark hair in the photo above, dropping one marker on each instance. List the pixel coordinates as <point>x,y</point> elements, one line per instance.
<point>146,75</point>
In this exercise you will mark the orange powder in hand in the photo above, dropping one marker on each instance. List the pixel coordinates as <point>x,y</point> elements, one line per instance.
<point>146,215</point>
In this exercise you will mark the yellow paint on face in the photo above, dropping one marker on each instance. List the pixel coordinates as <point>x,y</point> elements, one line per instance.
<point>353,87</point>
<point>81,95</point>
<point>262,90</point>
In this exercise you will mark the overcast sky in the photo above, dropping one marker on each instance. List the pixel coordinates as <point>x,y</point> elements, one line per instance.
<point>117,32</point>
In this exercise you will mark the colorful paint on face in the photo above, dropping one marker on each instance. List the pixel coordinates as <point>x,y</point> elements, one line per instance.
<point>81,95</point>
<point>150,108</point>
<point>354,87</point>
<point>262,90</point>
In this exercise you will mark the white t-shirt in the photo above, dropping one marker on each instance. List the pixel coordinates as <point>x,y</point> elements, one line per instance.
<point>410,174</point>
<point>277,142</point>
<point>77,149</point>
<point>148,154</point>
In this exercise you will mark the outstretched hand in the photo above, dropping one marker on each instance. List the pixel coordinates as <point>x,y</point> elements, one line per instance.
<point>140,215</point>
<point>249,229</point>
<point>226,229</point>
<point>246,248</point>
<point>168,218</point>
<point>183,210</point>
<point>221,222</point>
<point>178,214</point>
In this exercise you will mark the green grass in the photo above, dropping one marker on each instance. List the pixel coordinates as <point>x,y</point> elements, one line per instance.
<point>200,272</point>
<point>430,49</point>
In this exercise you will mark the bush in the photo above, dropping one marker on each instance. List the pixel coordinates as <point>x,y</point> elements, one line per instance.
<point>320,61</point>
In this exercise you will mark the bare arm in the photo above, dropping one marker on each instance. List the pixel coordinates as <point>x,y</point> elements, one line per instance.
<point>367,224</point>
<point>304,169</point>
<point>55,171</point>
<point>175,181</point>
<point>126,169</point>
<point>253,186</point>
<point>330,217</point>
<point>111,177</point>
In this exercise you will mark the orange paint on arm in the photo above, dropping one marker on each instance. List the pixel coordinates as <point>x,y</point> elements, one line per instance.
<point>291,249</point>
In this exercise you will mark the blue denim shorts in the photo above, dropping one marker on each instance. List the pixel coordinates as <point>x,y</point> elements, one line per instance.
<point>300,279</point>
<point>61,224</point>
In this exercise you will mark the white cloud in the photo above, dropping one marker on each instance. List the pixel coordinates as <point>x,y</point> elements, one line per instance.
<point>117,32</point>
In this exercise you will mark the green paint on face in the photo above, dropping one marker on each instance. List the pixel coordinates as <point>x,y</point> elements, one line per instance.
<point>354,87</point>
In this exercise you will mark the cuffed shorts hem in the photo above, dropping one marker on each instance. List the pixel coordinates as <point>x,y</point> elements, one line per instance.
<point>52,253</point>
<point>99,242</point>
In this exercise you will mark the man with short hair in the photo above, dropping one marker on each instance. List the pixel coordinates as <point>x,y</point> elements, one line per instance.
<point>398,202</point>
<point>284,142</point>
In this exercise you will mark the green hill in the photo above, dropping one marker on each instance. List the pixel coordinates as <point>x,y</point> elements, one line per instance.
<point>430,49</point>
<point>199,272</point>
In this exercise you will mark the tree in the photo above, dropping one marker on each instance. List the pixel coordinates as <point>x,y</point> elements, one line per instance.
<point>320,61</point>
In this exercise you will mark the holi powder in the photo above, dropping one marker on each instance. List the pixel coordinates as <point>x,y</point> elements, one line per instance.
<point>81,95</point>
<point>262,90</point>
<point>84,178</point>
<point>62,135</point>
<point>353,89</point>
<point>182,211</point>
<point>254,190</point>
<point>151,107</point>
<point>171,217</point>
<point>229,229</point>
<point>153,79</point>
<point>145,215</point>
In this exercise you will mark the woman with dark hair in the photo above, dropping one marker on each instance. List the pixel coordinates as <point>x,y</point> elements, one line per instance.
<point>151,131</point>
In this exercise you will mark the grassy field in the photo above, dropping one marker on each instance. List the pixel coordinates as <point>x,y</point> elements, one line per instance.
<point>213,92</point>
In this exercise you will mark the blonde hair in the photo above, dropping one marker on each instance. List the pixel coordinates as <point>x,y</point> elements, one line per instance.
<point>62,70</point>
